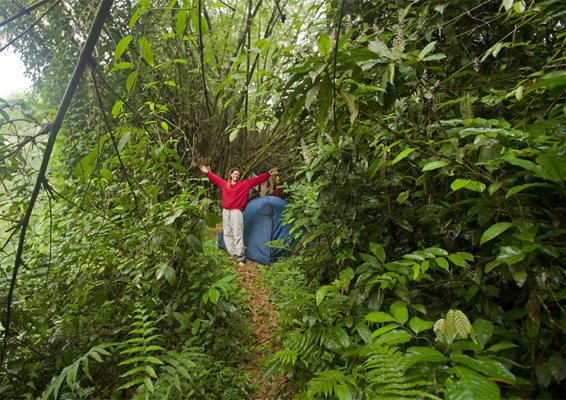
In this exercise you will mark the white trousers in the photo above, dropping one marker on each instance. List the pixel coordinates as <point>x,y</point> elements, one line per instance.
<point>233,228</point>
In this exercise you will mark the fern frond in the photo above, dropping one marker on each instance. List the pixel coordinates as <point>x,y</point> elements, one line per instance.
<point>70,372</point>
<point>386,377</point>
<point>331,382</point>
<point>180,370</point>
<point>143,350</point>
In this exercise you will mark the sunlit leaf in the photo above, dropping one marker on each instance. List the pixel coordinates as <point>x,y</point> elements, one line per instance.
<point>122,46</point>
<point>494,230</point>
<point>402,155</point>
<point>146,50</point>
<point>434,165</point>
<point>323,44</point>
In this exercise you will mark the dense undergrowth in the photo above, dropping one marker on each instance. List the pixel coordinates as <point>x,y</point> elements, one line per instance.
<point>119,310</point>
<point>430,192</point>
<point>433,197</point>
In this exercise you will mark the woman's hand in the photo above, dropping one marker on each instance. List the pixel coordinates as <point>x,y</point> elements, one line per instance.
<point>273,171</point>
<point>204,169</point>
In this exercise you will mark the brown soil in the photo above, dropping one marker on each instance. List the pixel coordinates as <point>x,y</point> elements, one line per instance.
<point>264,320</point>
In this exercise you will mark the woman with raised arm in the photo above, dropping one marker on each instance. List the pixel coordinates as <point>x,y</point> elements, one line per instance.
<point>234,200</point>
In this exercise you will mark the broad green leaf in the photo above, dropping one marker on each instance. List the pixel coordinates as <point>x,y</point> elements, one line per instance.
<point>442,263</point>
<point>501,346</point>
<point>483,330</point>
<point>364,333</point>
<point>137,14</point>
<point>213,295</point>
<point>428,48</point>
<point>399,311</point>
<point>553,164</point>
<point>418,325</point>
<point>180,22</point>
<point>435,57</point>
<point>106,174</point>
<point>394,337</point>
<point>146,50</point>
<point>233,135</point>
<point>544,377</point>
<point>468,184</point>
<point>350,100</point>
<point>311,95</point>
<point>494,230</point>
<point>321,293</point>
<point>378,251</point>
<point>379,316</point>
<point>519,274</point>
<point>117,109</point>
<point>434,165</point>
<point>510,255</point>
<point>123,65</point>
<point>457,260</point>
<point>471,385</point>
<point>437,251</point>
<point>342,337</point>
<point>416,354</point>
<point>384,329</point>
<point>122,46</point>
<point>403,196</point>
<point>378,47</point>
<point>537,169</point>
<point>402,155</point>
<point>131,80</point>
<point>323,44</point>
<point>486,366</point>
<point>494,187</point>
<point>557,366</point>
<point>516,189</point>
<point>124,140</point>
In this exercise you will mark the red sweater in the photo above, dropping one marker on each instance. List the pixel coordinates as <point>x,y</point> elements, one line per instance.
<point>235,197</point>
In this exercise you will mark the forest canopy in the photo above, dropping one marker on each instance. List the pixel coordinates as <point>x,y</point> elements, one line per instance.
<point>421,147</point>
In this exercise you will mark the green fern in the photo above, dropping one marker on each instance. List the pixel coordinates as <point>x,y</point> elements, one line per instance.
<point>180,370</point>
<point>386,377</point>
<point>70,372</point>
<point>331,382</point>
<point>142,350</point>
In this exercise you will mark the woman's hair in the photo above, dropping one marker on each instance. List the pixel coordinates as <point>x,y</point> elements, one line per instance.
<point>235,169</point>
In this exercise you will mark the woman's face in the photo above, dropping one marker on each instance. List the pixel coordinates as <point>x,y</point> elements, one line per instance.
<point>235,176</point>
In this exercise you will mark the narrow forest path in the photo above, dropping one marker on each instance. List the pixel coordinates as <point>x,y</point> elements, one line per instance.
<point>264,322</point>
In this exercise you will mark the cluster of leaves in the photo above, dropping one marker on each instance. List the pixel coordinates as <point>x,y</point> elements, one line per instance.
<point>120,292</point>
<point>434,181</point>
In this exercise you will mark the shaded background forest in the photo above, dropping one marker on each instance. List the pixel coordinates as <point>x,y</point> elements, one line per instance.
<point>421,145</point>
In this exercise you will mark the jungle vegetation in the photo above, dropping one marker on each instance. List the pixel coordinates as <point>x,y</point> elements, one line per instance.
<point>421,146</point>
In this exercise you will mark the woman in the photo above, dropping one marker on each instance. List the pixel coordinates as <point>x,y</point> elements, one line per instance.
<point>234,200</point>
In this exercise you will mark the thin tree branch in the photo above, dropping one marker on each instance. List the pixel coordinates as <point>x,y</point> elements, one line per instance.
<point>86,52</point>
<point>281,15</point>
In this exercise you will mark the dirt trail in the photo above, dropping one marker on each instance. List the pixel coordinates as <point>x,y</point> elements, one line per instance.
<point>264,320</point>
